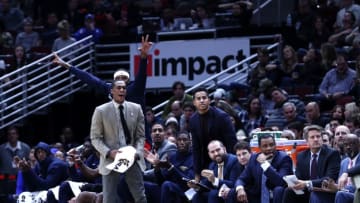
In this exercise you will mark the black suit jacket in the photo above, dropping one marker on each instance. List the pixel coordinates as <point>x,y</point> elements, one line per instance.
<point>219,128</point>
<point>328,165</point>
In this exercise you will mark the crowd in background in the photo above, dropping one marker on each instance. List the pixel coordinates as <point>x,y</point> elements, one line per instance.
<point>322,59</point>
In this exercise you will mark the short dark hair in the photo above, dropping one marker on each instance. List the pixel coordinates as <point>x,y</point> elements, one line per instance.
<point>189,104</point>
<point>183,133</point>
<point>263,51</point>
<point>148,108</point>
<point>200,89</point>
<point>176,83</point>
<point>242,145</point>
<point>265,136</point>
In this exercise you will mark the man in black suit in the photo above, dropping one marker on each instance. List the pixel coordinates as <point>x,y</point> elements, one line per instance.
<point>208,123</point>
<point>317,163</point>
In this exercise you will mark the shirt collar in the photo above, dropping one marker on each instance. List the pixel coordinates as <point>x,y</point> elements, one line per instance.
<point>18,146</point>
<point>117,104</point>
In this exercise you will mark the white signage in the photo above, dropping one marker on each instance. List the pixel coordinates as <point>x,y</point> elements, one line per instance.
<point>189,61</point>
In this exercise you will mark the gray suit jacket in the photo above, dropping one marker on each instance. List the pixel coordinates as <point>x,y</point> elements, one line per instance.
<point>106,131</point>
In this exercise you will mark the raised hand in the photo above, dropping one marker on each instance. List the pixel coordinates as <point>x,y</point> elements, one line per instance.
<point>145,46</point>
<point>58,61</point>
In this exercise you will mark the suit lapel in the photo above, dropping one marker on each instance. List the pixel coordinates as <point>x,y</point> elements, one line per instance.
<point>307,164</point>
<point>357,159</point>
<point>113,111</point>
<point>321,160</point>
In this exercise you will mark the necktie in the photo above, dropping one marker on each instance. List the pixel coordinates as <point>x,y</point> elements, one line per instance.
<point>265,194</point>
<point>313,170</point>
<point>124,125</point>
<point>220,171</point>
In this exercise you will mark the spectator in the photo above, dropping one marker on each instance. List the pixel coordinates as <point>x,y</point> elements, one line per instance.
<point>347,5</point>
<point>301,22</point>
<point>338,38</point>
<point>6,39</point>
<point>64,40</point>
<point>252,117</point>
<point>313,71</point>
<point>50,31</point>
<point>290,114</point>
<point>204,18</point>
<point>328,56</point>
<point>289,69</point>
<point>337,82</point>
<point>11,16</point>
<point>167,19</point>
<point>28,38</point>
<point>242,13</point>
<point>326,138</point>
<point>313,115</point>
<point>18,60</point>
<point>280,97</point>
<point>127,18</point>
<point>89,28</point>
<point>340,134</point>
<point>265,69</point>
<point>8,150</point>
<point>320,34</point>
<point>178,89</point>
<point>67,138</point>
<point>188,109</point>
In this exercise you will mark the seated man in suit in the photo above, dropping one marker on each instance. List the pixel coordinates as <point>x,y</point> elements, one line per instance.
<point>317,163</point>
<point>161,147</point>
<point>169,173</point>
<point>263,174</point>
<point>243,153</point>
<point>224,169</point>
<point>351,145</point>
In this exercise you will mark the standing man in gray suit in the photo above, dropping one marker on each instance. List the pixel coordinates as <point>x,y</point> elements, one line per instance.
<point>111,130</point>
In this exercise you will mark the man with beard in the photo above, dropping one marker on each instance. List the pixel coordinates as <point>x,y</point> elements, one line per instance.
<point>169,173</point>
<point>263,174</point>
<point>161,149</point>
<point>224,169</point>
<point>317,163</point>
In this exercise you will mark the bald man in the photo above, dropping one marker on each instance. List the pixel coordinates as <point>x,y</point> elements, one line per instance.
<point>339,136</point>
<point>313,115</point>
